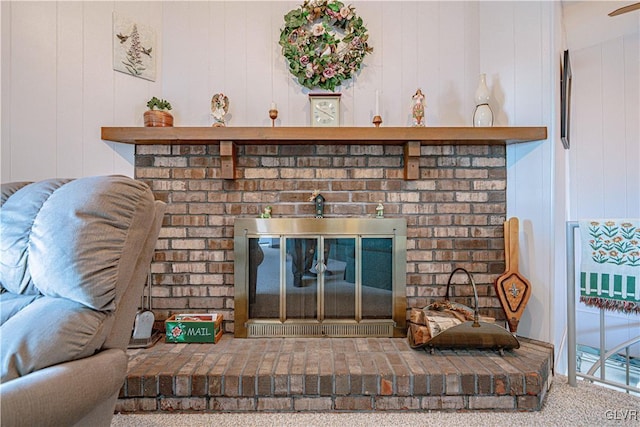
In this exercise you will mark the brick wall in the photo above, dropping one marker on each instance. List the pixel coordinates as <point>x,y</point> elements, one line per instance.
<point>454,212</point>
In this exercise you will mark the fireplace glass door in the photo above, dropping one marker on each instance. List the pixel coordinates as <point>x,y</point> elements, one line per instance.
<point>319,283</point>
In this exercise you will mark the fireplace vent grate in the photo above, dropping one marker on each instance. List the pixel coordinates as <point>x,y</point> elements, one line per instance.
<point>383,328</point>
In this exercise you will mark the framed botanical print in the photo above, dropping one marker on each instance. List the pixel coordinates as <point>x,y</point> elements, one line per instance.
<point>134,48</point>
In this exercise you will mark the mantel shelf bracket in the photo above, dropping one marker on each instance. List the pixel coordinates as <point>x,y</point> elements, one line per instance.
<point>412,160</point>
<point>227,160</point>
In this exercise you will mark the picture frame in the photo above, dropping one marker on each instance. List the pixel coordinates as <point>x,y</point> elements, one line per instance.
<point>565,100</point>
<point>134,48</point>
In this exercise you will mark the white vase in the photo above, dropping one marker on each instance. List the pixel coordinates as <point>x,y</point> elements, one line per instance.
<point>482,116</point>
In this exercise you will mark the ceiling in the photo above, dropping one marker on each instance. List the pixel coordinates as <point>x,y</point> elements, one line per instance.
<point>587,23</point>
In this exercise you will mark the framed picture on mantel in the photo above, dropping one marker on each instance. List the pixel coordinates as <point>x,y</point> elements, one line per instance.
<point>565,99</point>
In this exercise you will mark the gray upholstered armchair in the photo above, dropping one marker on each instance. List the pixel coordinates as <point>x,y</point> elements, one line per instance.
<point>75,257</point>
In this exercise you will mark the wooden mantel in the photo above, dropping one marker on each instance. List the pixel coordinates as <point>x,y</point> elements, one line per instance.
<point>411,137</point>
<point>325,136</point>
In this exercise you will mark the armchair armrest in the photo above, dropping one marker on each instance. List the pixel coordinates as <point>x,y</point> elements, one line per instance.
<point>63,394</point>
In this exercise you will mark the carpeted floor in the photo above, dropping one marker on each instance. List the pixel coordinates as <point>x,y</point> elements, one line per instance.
<point>585,405</point>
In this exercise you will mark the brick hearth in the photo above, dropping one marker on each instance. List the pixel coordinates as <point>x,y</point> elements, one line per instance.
<point>333,374</point>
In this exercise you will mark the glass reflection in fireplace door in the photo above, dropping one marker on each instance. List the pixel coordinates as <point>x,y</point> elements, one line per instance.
<point>324,278</point>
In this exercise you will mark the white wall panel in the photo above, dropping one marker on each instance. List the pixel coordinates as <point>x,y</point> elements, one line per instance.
<point>235,52</point>
<point>214,56</point>
<point>193,80</point>
<point>396,99</point>
<point>33,90</point>
<point>428,73</point>
<point>5,102</point>
<point>631,54</point>
<point>259,57</point>
<point>613,128</point>
<point>98,88</point>
<point>363,87</point>
<point>497,49</point>
<point>514,45</point>
<point>529,59</point>
<point>605,137</point>
<point>185,60</point>
<point>70,75</point>
<point>280,76</point>
<point>471,62</point>
<point>69,108</point>
<point>451,99</point>
<point>586,133</point>
<point>410,75</point>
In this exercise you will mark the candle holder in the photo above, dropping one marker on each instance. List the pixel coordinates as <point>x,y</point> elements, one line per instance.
<point>377,120</point>
<point>273,114</point>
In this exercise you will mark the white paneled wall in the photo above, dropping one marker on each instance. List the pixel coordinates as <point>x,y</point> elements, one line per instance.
<point>521,71</point>
<point>69,94</point>
<point>56,57</point>
<point>233,48</point>
<point>605,129</point>
<point>32,80</point>
<point>5,81</point>
<point>605,139</point>
<point>59,88</point>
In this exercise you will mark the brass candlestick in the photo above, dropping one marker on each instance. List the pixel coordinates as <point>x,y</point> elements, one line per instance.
<point>273,114</point>
<point>377,120</point>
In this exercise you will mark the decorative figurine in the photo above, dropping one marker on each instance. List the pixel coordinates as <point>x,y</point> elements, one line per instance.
<point>380,210</point>
<point>417,109</point>
<point>317,198</point>
<point>273,114</point>
<point>266,213</point>
<point>219,108</point>
<point>319,206</point>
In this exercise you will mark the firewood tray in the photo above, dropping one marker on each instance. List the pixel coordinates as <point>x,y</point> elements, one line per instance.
<point>470,334</point>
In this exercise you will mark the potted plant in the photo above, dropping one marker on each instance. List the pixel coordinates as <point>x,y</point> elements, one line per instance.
<point>158,114</point>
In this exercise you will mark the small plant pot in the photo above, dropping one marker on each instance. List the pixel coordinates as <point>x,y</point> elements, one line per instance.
<point>157,118</point>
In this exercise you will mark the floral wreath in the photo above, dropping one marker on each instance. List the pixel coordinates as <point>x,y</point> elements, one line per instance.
<point>317,56</point>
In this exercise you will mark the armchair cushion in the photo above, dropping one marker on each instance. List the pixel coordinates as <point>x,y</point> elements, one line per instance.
<point>19,211</point>
<point>47,332</point>
<point>10,304</point>
<point>76,242</point>
<point>67,238</point>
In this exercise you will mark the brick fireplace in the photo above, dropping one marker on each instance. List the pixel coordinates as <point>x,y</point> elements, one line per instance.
<point>447,184</point>
<point>454,211</point>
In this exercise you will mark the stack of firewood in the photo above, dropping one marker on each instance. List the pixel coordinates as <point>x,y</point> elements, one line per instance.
<point>426,323</point>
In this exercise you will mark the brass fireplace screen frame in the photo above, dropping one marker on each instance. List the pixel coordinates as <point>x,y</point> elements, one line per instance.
<point>320,228</point>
